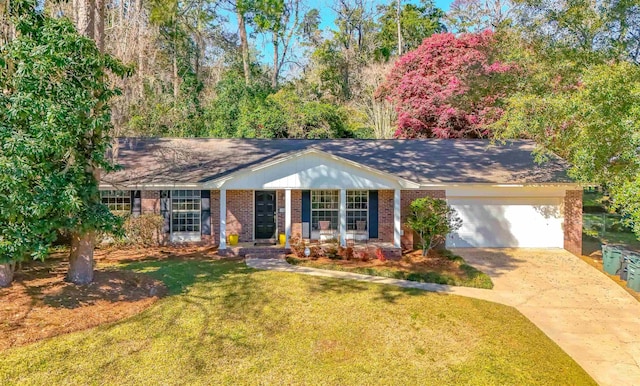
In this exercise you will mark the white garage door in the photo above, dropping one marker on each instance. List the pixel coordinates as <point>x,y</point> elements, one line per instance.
<point>508,222</point>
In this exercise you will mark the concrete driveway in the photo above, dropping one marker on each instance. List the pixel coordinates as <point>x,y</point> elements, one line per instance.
<point>592,318</point>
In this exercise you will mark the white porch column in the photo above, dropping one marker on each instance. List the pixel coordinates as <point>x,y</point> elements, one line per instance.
<point>396,219</point>
<point>343,217</point>
<point>223,219</point>
<point>287,216</point>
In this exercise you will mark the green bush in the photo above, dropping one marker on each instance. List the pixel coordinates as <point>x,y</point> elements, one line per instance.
<point>432,219</point>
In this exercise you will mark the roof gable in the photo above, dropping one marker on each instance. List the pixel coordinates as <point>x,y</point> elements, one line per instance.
<point>310,169</point>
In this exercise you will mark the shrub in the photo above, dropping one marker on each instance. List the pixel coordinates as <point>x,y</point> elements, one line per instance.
<point>315,252</point>
<point>380,254</point>
<point>145,229</point>
<point>432,219</point>
<point>362,255</point>
<point>346,253</point>
<point>331,251</point>
<point>297,246</point>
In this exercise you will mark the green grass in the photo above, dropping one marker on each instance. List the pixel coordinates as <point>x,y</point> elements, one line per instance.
<point>227,324</point>
<point>474,277</point>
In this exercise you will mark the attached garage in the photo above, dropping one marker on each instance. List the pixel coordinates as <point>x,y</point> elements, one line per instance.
<point>502,222</point>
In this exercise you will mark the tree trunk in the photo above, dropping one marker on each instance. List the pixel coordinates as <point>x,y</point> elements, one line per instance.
<point>141,52</point>
<point>121,12</point>
<point>244,45</point>
<point>398,11</point>
<point>86,18</point>
<point>276,62</point>
<point>7,28</point>
<point>74,12</point>
<point>99,24</point>
<point>176,78</point>
<point>82,244</point>
<point>200,52</point>
<point>6,274</point>
<point>81,258</point>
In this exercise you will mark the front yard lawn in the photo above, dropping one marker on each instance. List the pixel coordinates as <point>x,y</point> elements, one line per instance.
<point>441,267</point>
<point>224,323</point>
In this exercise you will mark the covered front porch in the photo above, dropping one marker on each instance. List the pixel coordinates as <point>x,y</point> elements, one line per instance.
<point>346,216</point>
<point>312,195</point>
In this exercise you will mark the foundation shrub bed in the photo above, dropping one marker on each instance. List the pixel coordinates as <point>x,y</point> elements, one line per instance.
<point>440,267</point>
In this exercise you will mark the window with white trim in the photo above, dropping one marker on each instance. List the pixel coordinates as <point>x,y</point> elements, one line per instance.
<point>325,206</point>
<point>357,210</point>
<point>185,211</point>
<point>118,201</point>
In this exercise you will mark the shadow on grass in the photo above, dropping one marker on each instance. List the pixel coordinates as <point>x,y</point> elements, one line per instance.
<point>45,283</point>
<point>179,274</point>
<point>203,290</point>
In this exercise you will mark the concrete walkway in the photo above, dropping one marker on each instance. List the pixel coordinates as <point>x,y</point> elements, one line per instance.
<point>588,315</point>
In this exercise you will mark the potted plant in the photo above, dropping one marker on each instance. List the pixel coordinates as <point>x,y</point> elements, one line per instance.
<point>233,238</point>
<point>282,238</point>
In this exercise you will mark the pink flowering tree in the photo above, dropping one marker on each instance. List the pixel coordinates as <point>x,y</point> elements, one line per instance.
<point>449,87</point>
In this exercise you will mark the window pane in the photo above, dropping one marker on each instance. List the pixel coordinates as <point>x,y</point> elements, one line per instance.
<point>118,201</point>
<point>185,210</point>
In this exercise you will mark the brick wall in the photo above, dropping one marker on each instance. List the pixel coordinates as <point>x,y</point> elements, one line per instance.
<point>150,201</point>
<point>385,215</point>
<point>240,213</point>
<point>573,221</point>
<point>296,212</point>
<point>215,217</point>
<point>281,219</point>
<point>408,239</point>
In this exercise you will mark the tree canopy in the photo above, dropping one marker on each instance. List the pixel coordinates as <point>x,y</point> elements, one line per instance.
<point>54,128</point>
<point>449,87</point>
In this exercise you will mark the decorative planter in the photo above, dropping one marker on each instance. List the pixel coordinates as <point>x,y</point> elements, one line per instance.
<point>233,239</point>
<point>282,238</point>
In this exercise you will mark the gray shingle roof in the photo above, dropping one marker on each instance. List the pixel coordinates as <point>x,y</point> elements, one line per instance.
<point>424,161</point>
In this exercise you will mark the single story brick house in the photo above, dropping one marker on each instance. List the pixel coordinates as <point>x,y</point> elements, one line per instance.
<point>207,189</point>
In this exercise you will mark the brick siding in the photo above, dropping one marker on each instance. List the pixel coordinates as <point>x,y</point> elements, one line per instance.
<point>409,239</point>
<point>385,216</point>
<point>296,213</point>
<point>573,221</point>
<point>240,213</point>
<point>215,217</point>
<point>281,219</point>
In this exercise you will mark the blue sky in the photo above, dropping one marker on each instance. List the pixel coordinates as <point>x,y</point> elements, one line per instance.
<point>327,15</point>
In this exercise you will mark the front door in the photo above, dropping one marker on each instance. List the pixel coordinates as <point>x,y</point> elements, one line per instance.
<point>265,214</point>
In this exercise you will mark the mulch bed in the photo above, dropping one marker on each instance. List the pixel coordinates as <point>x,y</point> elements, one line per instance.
<point>410,262</point>
<point>40,304</point>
